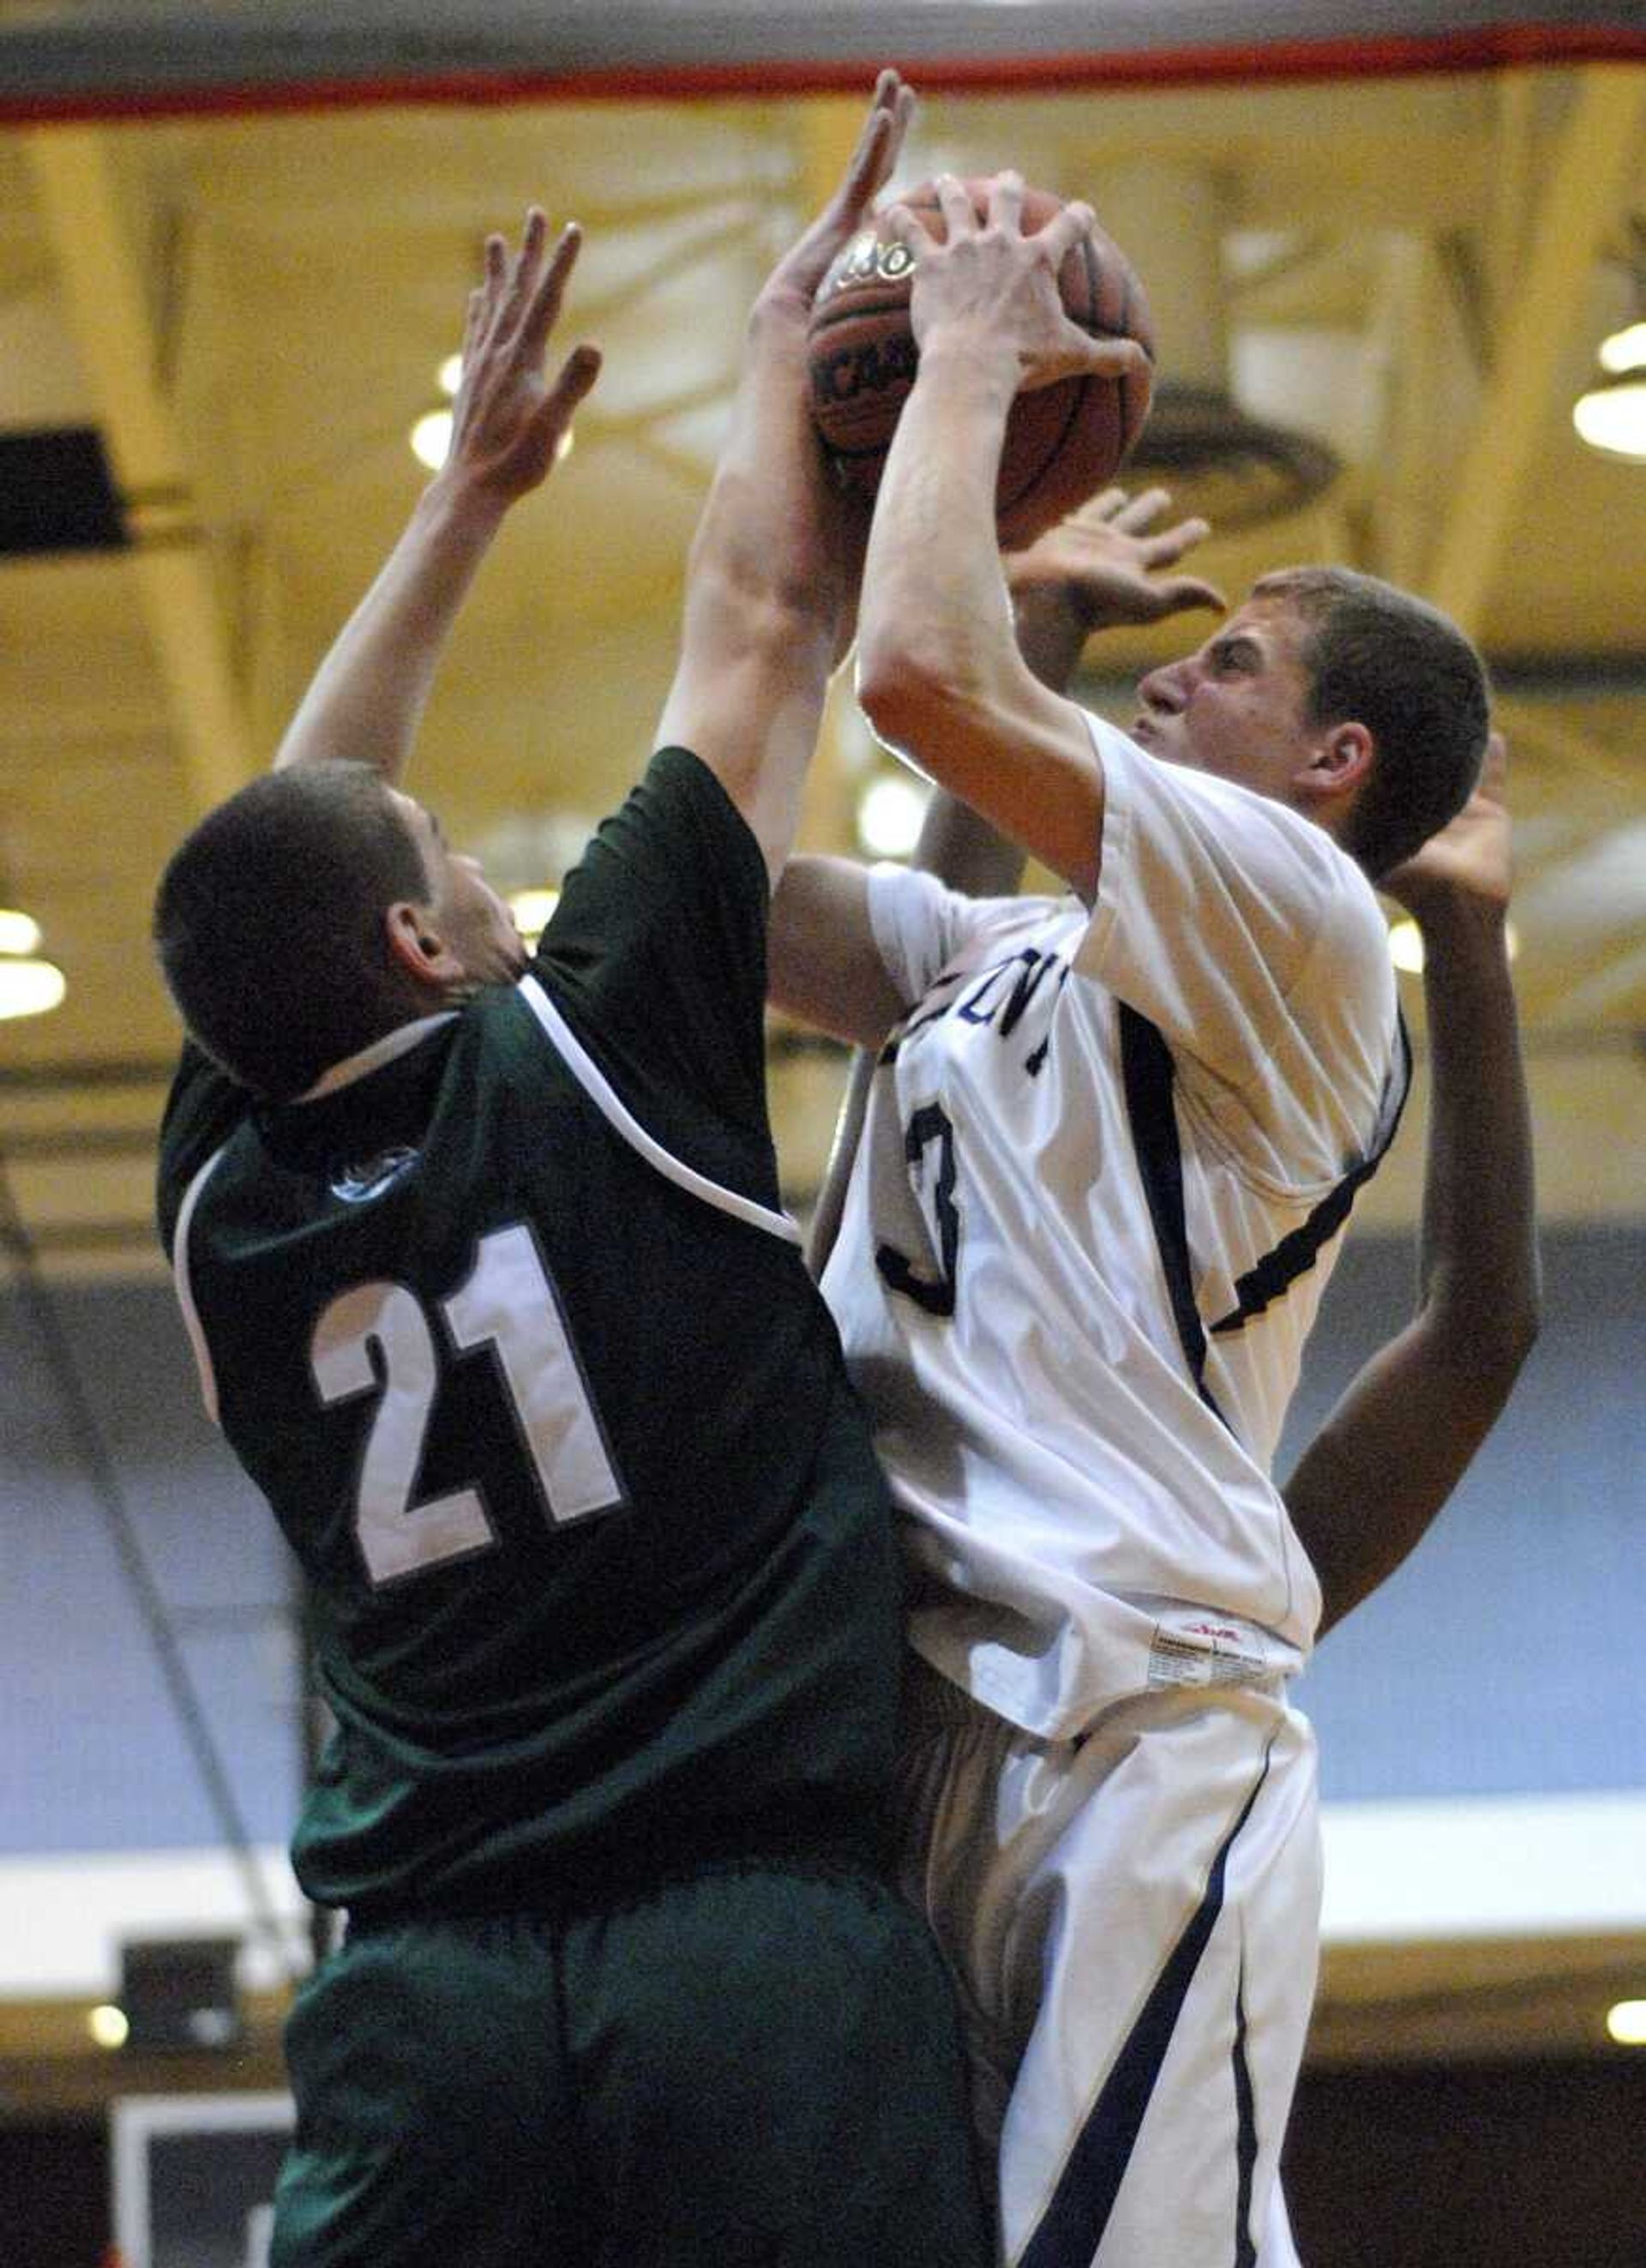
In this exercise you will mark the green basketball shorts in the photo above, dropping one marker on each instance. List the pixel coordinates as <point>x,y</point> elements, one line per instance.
<point>752,2067</point>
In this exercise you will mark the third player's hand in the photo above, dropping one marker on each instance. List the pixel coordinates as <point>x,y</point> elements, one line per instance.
<point>1469,859</point>
<point>1106,563</point>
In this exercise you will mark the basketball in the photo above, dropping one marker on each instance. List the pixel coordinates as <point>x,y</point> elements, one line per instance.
<point>1063,442</point>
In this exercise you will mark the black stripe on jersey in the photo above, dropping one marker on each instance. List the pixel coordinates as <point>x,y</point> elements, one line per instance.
<point>1295,1254</point>
<point>1071,2228</point>
<point>927,1014</point>
<point>1147,1073</point>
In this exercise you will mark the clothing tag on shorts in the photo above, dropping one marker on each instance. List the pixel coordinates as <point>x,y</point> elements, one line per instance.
<point>1205,1652</point>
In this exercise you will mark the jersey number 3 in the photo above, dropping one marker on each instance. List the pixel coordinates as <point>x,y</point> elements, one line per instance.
<point>929,1126</point>
<point>377,1338</point>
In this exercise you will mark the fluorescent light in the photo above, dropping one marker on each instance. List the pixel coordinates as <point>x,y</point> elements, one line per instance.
<point>531,909</point>
<point>108,2025</point>
<point>431,438</point>
<point>1625,349</point>
<point>889,814</point>
<point>1406,945</point>
<point>1626,2023</point>
<point>1612,416</point>
<point>30,988</point>
<point>19,933</point>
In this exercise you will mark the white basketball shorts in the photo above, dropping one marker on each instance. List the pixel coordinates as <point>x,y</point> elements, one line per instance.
<point>1132,1918</point>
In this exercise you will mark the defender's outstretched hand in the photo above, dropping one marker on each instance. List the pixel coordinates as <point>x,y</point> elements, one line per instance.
<point>793,283</point>
<point>989,282</point>
<point>509,420</point>
<point>771,584</point>
<point>368,696</point>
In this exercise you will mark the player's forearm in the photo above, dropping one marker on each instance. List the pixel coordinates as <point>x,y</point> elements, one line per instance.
<point>764,598</point>
<point>940,673</point>
<point>1479,1257</point>
<point>1051,635</point>
<point>935,628</point>
<point>1375,1477</point>
<point>368,696</point>
<point>1371,1482</point>
<point>768,532</point>
<point>965,850</point>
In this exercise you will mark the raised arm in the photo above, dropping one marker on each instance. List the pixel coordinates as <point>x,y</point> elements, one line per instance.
<point>1367,1488</point>
<point>774,564</point>
<point>940,673</point>
<point>368,696</point>
<point>1106,564</point>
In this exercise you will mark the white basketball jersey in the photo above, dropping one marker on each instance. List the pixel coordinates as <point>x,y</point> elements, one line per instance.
<point>1083,1523</point>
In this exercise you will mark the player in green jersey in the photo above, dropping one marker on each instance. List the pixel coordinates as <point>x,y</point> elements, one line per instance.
<point>485,1266</point>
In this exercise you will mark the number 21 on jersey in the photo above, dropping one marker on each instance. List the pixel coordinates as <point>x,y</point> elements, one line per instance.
<point>378,1337</point>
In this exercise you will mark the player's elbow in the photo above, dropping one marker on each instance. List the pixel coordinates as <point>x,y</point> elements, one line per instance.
<point>1514,1330</point>
<point>1487,1343</point>
<point>916,697</point>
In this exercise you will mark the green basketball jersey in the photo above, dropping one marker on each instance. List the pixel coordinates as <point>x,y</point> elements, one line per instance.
<point>506,1323</point>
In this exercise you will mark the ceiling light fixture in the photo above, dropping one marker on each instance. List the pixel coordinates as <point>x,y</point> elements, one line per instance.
<point>1406,945</point>
<point>430,438</point>
<point>19,933</point>
<point>889,814</point>
<point>1611,415</point>
<point>531,909</point>
<point>108,2025</point>
<point>29,986</point>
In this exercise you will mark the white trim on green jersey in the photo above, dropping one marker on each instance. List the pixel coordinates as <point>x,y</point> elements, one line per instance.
<point>600,1091</point>
<point>185,1292</point>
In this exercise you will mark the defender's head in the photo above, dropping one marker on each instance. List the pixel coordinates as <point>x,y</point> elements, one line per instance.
<point>314,911</point>
<point>1356,704</point>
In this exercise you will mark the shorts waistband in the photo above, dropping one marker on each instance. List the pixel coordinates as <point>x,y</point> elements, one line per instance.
<point>569,1893</point>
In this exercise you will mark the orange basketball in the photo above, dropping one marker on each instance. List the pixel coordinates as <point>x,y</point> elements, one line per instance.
<point>1063,442</point>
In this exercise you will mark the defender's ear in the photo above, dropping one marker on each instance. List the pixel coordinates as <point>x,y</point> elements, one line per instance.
<point>418,947</point>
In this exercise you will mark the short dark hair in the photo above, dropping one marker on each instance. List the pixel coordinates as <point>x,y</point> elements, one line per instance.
<point>1403,669</point>
<point>268,923</point>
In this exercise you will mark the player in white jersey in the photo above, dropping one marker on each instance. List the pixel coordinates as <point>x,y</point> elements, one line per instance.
<point>1108,1154</point>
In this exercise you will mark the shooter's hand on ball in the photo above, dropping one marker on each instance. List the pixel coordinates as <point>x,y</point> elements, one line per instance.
<point>989,289</point>
<point>509,420</point>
